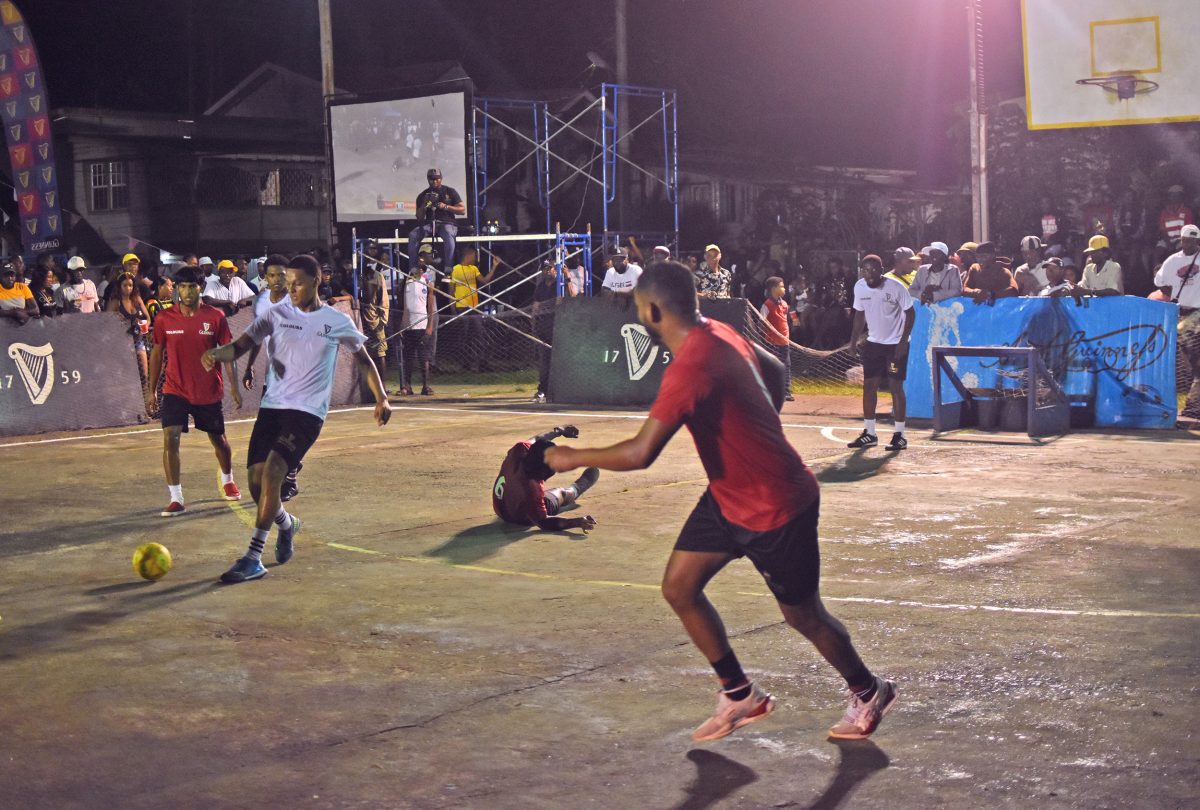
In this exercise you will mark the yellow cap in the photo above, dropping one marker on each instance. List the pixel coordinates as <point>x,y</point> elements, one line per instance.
<point>712,247</point>
<point>225,263</point>
<point>1097,242</point>
<point>130,257</point>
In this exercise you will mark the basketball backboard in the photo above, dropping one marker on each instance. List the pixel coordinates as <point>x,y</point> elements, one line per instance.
<point>1094,63</point>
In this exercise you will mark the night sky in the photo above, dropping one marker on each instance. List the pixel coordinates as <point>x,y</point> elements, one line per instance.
<point>852,82</point>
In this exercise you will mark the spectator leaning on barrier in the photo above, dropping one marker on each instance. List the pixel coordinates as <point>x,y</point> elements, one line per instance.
<point>45,285</point>
<point>1057,283</point>
<point>16,299</point>
<point>775,312</point>
<point>713,280</point>
<point>418,317</point>
<point>622,277</point>
<point>902,269</point>
<point>964,258</point>
<point>226,291</point>
<point>127,302</point>
<point>1031,276</point>
<point>988,279</point>
<point>938,280</point>
<point>1179,278</point>
<point>1102,275</point>
<point>78,294</point>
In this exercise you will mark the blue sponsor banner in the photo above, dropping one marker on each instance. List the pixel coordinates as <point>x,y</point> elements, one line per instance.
<point>25,117</point>
<point>1117,353</point>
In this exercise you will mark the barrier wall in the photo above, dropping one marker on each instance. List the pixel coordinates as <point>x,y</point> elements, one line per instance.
<point>79,371</point>
<point>1117,354</point>
<point>603,356</point>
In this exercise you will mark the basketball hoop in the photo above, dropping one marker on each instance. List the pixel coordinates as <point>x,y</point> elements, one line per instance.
<point>1126,87</point>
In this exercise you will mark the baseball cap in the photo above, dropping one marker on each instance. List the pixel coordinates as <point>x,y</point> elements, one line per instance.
<point>205,260</point>
<point>1175,189</point>
<point>1189,232</point>
<point>939,246</point>
<point>225,263</point>
<point>432,173</point>
<point>971,246</point>
<point>903,253</point>
<point>1031,243</point>
<point>707,248</point>
<point>1055,260</point>
<point>425,249</point>
<point>1097,242</point>
<point>985,247</point>
<point>619,251</point>
<point>130,257</point>
<point>662,249</point>
<point>76,263</point>
<point>925,250</point>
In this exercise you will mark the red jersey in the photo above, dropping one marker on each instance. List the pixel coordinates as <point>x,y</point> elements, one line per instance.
<point>776,314</point>
<point>714,386</point>
<point>516,498</point>
<point>185,338</point>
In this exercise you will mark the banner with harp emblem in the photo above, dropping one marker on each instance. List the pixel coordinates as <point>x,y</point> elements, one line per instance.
<point>603,356</point>
<point>25,116</point>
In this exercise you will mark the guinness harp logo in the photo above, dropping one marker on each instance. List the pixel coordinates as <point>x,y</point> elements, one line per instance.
<point>35,365</point>
<point>640,351</point>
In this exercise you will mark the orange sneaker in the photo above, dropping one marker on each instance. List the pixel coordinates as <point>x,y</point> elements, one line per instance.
<point>861,719</point>
<point>733,714</point>
<point>174,508</point>
<point>232,493</point>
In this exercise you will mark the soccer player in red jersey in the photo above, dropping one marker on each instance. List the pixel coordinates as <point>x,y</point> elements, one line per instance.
<point>519,494</point>
<point>762,502</point>
<point>186,332</point>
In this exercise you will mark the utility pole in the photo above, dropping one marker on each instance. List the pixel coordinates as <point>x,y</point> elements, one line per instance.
<point>622,79</point>
<point>978,124</point>
<point>327,90</point>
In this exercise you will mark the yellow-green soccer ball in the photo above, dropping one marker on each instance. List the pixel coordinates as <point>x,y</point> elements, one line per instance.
<point>151,561</point>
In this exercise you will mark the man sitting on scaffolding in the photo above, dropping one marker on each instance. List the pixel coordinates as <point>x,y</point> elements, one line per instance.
<point>436,208</point>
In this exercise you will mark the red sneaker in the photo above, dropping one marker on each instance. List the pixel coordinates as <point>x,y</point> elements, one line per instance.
<point>174,508</point>
<point>731,715</point>
<point>232,493</point>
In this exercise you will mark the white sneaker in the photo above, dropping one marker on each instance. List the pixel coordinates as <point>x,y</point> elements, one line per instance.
<point>539,398</point>
<point>733,714</point>
<point>862,718</point>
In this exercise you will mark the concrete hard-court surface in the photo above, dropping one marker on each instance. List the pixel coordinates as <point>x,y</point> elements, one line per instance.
<point>1036,602</point>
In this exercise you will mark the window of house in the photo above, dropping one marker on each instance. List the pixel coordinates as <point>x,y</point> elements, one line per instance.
<point>109,183</point>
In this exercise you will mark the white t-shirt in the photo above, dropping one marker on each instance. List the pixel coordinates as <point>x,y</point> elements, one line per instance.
<point>1107,277</point>
<point>237,290</point>
<point>622,282</point>
<point>1037,271</point>
<point>81,296</point>
<point>883,307</point>
<point>1168,276</point>
<point>416,302</point>
<point>261,304</point>
<point>305,344</point>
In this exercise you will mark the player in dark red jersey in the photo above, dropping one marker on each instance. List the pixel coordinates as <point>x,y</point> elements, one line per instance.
<point>762,501</point>
<point>519,494</point>
<point>185,333</point>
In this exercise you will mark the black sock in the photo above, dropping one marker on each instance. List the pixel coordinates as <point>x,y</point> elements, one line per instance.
<point>862,684</point>
<point>582,484</point>
<point>733,680</point>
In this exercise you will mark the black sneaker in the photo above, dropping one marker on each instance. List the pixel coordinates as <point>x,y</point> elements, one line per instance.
<point>897,443</point>
<point>288,489</point>
<point>864,440</point>
<point>284,548</point>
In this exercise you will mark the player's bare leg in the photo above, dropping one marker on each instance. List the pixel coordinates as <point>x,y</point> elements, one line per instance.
<point>225,461</point>
<point>265,481</point>
<point>171,470</point>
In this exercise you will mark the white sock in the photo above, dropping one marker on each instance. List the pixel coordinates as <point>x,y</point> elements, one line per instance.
<point>282,519</point>
<point>900,428</point>
<point>869,426</point>
<point>227,477</point>
<point>257,541</point>
<point>176,491</point>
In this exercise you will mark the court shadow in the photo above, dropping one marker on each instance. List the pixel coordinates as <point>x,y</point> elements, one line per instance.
<point>22,640</point>
<point>717,777</point>
<point>477,543</point>
<point>856,467</point>
<point>92,531</point>
<point>859,760</point>
<point>120,587</point>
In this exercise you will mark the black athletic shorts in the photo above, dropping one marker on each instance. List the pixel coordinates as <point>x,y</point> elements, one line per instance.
<point>288,432</point>
<point>787,557</point>
<point>878,362</point>
<point>174,411</point>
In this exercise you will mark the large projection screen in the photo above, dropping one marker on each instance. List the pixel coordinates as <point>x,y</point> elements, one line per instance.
<point>383,149</point>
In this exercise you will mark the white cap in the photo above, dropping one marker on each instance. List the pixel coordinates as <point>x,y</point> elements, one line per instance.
<point>940,246</point>
<point>76,263</point>
<point>662,249</point>
<point>205,260</point>
<point>1189,231</point>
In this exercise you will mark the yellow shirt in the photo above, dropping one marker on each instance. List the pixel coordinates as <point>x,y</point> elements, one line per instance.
<point>16,297</point>
<point>466,282</point>
<point>906,279</point>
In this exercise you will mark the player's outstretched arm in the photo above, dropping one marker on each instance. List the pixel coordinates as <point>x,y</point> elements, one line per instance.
<point>570,431</point>
<point>248,376</point>
<point>383,410</point>
<point>227,353</point>
<point>637,453</point>
<point>559,524</point>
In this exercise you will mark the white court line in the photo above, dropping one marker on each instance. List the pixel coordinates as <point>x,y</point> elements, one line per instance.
<point>551,414</point>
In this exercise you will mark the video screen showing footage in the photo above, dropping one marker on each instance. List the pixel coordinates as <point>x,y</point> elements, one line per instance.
<point>382,151</point>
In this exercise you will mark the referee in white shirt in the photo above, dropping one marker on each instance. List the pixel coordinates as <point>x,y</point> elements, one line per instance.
<point>305,337</point>
<point>1179,279</point>
<point>884,308</point>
